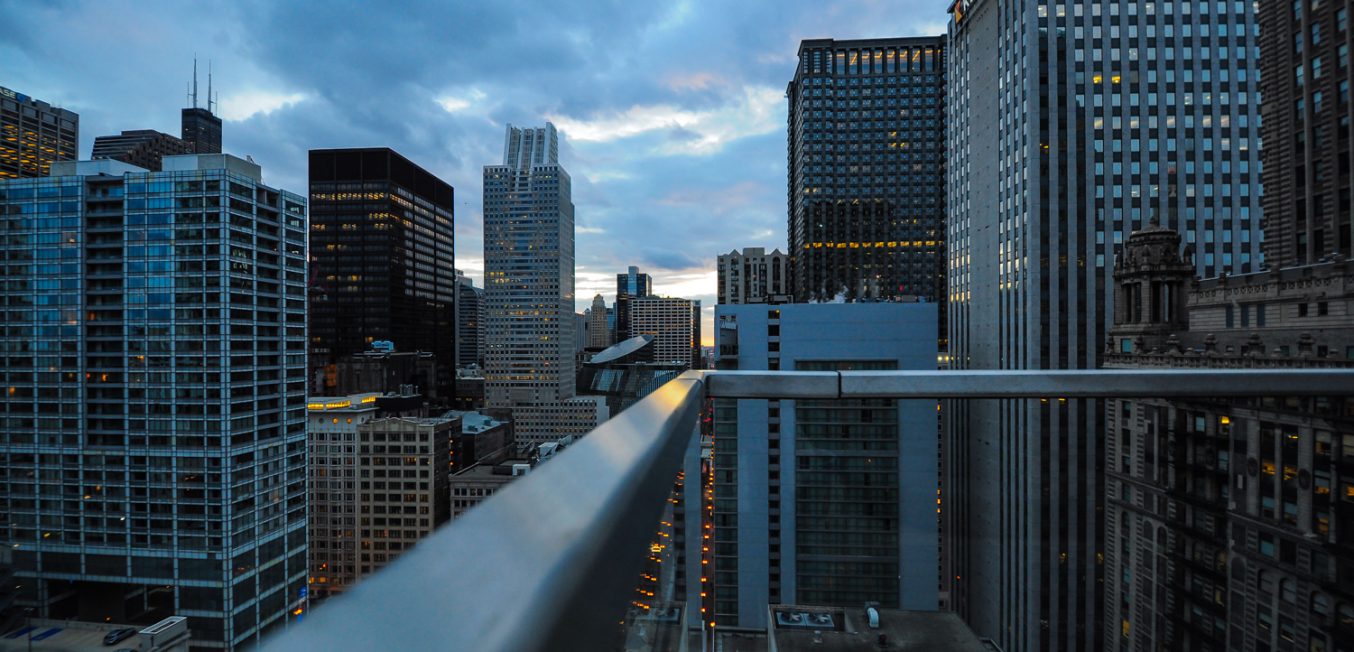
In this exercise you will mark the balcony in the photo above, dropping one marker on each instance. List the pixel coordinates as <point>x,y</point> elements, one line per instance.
<point>552,560</point>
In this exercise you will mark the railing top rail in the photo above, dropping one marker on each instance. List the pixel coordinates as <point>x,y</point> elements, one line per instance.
<point>1031,383</point>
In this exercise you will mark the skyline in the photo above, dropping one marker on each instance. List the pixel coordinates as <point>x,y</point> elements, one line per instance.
<point>680,139</point>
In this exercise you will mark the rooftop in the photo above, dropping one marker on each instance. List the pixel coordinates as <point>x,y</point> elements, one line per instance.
<point>831,629</point>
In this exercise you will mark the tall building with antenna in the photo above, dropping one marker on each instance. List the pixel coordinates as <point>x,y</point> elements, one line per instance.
<point>201,128</point>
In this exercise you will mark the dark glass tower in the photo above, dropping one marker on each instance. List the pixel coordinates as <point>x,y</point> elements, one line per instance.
<point>866,169</point>
<point>382,248</point>
<point>202,130</point>
<point>630,285</point>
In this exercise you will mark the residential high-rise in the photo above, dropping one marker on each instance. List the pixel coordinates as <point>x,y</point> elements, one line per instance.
<point>33,134</point>
<point>599,335</point>
<point>1066,122</point>
<point>382,244</point>
<point>825,502</point>
<point>1304,78</point>
<point>671,322</point>
<point>469,335</point>
<point>630,285</point>
<point>153,460</point>
<point>866,169</point>
<point>529,290</point>
<point>754,276</point>
<point>143,148</point>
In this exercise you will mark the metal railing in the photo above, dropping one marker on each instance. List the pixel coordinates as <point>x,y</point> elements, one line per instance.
<point>549,563</point>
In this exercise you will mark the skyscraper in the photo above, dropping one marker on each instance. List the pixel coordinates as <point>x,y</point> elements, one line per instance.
<point>630,285</point>
<point>1305,79</point>
<point>33,134</point>
<point>201,128</point>
<point>382,261</point>
<point>143,148</point>
<point>469,334</point>
<point>866,169</point>
<point>753,276</point>
<point>599,334</point>
<point>529,289</point>
<point>1066,122</point>
<point>827,502</point>
<point>153,460</point>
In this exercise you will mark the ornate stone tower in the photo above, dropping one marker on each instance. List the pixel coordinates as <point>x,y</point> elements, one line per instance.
<point>1150,278</point>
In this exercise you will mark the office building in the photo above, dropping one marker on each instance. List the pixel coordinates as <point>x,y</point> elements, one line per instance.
<point>382,248</point>
<point>143,148</point>
<point>33,134</point>
<point>754,276</point>
<point>1304,80</point>
<point>529,289</point>
<point>469,336</point>
<point>671,322</point>
<point>482,439</point>
<point>402,490</point>
<point>1068,123</point>
<point>1228,522</point>
<point>201,129</point>
<point>630,285</point>
<point>866,169</point>
<point>599,334</point>
<point>331,488</point>
<point>625,373</point>
<point>828,502</point>
<point>475,484</point>
<point>155,324</point>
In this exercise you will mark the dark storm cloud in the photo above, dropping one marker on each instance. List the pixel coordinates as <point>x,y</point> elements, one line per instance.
<point>672,113</point>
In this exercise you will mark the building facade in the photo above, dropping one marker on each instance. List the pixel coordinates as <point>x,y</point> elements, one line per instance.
<point>156,333</point>
<point>201,129</point>
<point>331,487</point>
<point>33,134</point>
<point>143,148</point>
<point>1305,84</point>
<point>828,502</point>
<point>630,285</point>
<point>529,357</point>
<point>866,169</point>
<point>1227,522</point>
<point>671,322</point>
<point>599,333</point>
<point>382,261</point>
<point>754,276</point>
<point>469,335</point>
<point>1068,125</point>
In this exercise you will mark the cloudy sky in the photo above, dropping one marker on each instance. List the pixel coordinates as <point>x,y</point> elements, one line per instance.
<point>672,113</point>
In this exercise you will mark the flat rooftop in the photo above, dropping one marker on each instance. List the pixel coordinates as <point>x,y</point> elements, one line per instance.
<point>67,636</point>
<point>833,629</point>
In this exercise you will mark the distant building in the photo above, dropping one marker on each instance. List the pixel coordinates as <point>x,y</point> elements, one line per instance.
<point>201,130</point>
<point>469,389</point>
<point>141,147</point>
<point>625,373</point>
<point>529,360</point>
<point>754,276</point>
<point>469,335</point>
<point>630,285</point>
<point>483,439</point>
<point>828,502</point>
<point>672,322</point>
<point>381,247</point>
<point>599,333</point>
<point>386,371</point>
<point>33,134</point>
<point>475,484</point>
<point>180,380</point>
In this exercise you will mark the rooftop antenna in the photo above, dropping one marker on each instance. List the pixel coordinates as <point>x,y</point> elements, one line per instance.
<point>195,81</point>
<point>209,86</point>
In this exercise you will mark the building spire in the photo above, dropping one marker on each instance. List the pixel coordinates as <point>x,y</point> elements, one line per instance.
<point>209,86</point>
<point>193,95</point>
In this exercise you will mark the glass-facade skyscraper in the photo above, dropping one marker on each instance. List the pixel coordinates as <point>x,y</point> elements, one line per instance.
<point>152,457</point>
<point>866,169</point>
<point>1068,124</point>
